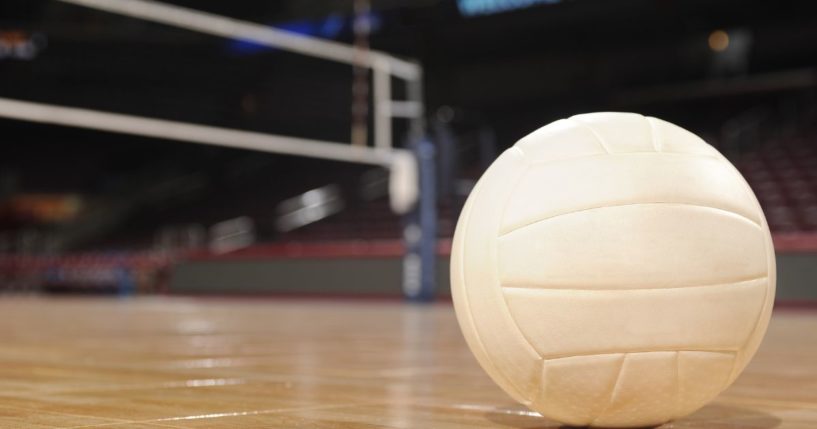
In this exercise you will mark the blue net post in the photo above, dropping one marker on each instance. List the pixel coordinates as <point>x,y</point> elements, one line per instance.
<point>126,283</point>
<point>420,231</point>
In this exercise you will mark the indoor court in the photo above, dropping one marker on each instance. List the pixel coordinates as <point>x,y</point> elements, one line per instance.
<point>408,214</point>
<point>224,363</point>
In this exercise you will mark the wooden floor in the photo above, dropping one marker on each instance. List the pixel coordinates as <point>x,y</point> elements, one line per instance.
<point>185,363</point>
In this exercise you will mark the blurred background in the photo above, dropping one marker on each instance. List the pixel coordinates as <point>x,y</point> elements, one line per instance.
<point>88,211</point>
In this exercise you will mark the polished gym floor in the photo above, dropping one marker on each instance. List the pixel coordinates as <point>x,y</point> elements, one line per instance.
<point>289,363</point>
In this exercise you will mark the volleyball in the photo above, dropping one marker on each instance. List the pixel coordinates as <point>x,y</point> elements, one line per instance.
<point>613,270</point>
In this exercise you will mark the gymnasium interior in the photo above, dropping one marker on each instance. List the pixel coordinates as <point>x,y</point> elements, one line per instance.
<point>241,214</point>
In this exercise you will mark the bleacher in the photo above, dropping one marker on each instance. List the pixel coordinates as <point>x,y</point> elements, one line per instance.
<point>781,171</point>
<point>370,221</point>
<point>783,175</point>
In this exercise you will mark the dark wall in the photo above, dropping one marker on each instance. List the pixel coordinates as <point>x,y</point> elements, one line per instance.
<point>796,276</point>
<point>382,276</point>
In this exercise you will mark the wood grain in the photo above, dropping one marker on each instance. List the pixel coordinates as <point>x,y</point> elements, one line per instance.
<point>223,363</point>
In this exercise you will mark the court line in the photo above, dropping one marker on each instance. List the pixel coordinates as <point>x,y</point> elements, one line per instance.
<point>116,421</point>
<point>192,383</point>
<point>249,413</point>
<point>158,425</point>
<point>259,412</point>
<point>464,407</point>
<point>484,409</point>
<point>125,423</point>
<point>161,421</point>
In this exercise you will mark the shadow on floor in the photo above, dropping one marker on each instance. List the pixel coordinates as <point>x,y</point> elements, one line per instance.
<point>712,416</point>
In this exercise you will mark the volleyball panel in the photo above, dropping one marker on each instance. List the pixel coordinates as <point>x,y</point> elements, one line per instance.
<point>634,246</point>
<point>560,323</point>
<point>560,140</point>
<point>577,390</point>
<point>619,132</point>
<point>490,331</point>
<point>609,389</point>
<point>631,132</point>
<point>559,188</point>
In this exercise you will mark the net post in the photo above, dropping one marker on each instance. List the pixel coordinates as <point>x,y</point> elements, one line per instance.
<point>125,281</point>
<point>414,94</point>
<point>420,230</point>
<point>382,105</point>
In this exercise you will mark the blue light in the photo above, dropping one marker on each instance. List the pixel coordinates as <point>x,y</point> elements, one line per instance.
<point>332,26</point>
<point>248,47</point>
<point>328,28</point>
<point>490,7</point>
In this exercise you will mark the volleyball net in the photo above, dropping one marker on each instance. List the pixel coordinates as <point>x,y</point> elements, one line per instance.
<point>395,102</point>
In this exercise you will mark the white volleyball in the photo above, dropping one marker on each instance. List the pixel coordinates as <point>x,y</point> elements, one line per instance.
<point>612,269</point>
